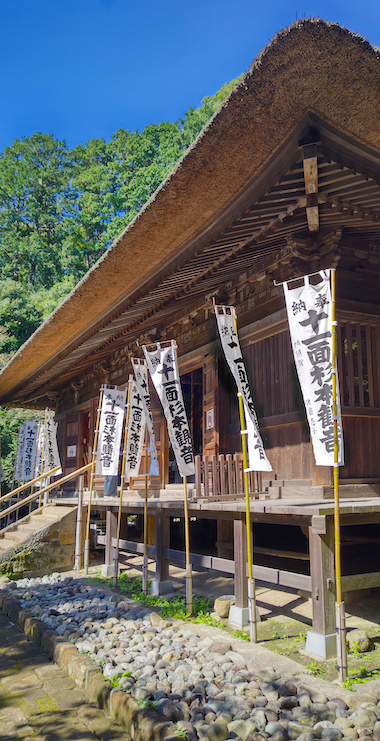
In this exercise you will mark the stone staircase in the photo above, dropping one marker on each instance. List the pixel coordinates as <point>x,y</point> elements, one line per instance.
<point>43,539</point>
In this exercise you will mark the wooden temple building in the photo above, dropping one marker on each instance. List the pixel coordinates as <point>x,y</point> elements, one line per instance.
<point>283,181</point>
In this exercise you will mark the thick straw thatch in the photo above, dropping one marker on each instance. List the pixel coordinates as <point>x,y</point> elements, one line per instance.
<point>312,65</point>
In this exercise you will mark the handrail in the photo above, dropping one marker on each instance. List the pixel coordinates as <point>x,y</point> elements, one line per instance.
<point>29,483</point>
<point>53,485</point>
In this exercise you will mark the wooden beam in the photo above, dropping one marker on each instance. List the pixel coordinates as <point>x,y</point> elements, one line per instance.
<point>310,171</point>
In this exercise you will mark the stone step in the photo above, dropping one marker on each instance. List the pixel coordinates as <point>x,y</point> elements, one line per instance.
<point>6,544</point>
<point>15,535</point>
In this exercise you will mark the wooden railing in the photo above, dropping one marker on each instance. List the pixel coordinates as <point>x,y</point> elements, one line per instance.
<point>221,477</point>
<point>36,495</point>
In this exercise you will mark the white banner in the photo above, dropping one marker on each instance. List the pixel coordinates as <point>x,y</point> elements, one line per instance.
<point>38,460</point>
<point>225,317</point>
<point>50,447</point>
<point>135,432</point>
<point>110,431</point>
<point>163,368</point>
<point>29,450</point>
<point>17,475</point>
<point>141,375</point>
<point>310,324</point>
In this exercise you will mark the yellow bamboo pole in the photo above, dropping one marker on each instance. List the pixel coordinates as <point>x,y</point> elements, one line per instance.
<point>21,459</point>
<point>43,450</point>
<point>339,607</point>
<point>116,552</point>
<point>251,581</point>
<point>92,474</point>
<point>189,571</point>
<point>145,557</point>
<point>32,485</point>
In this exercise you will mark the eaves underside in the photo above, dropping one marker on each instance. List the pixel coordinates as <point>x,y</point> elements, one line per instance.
<point>255,224</point>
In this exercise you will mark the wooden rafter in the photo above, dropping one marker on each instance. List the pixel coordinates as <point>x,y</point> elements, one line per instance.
<point>310,170</point>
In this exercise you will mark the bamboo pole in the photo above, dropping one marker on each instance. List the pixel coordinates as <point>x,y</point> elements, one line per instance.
<point>189,571</point>
<point>78,530</point>
<point>116,551</point>
<point>21,458</point>
<point>339,607</point>
<point>43,451</point>
<point>251,581</point>
<point>92,474</point>
<point>145,557</point>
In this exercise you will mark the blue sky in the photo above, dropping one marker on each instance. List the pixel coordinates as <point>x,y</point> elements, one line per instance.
<point>84,68</point>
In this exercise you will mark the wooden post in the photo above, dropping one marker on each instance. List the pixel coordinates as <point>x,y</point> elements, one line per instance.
<point>240,558</point>
<point>321,640</point>
<point>116,553</point>
<point>162,584</point>
<point>92,474</point>
<point>111,530</point>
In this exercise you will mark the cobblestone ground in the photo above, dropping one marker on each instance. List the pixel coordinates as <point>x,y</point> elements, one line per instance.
<point>39,702</point>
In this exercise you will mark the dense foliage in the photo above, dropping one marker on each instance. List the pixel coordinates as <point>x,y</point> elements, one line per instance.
<point>60,209</point>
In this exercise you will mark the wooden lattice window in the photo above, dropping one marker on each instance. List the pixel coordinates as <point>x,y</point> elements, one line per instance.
<point>358,364</point>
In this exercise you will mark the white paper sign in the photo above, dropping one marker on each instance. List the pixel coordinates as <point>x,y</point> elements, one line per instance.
<point>163,368</point>
<point>141,375</point>
<point>17,476</point>
<point>110,431</point>
<point>135,432</point>
<point>37,465</point>
<point>29,450</point>
<point>310,324</point>
<point>51,454</point>
<point>225,317</point>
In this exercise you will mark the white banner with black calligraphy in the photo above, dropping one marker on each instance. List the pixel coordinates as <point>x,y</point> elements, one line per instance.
<point>225,317</point>
<point>141,375</point>
<point>110,431</point>
<point>50,447</point>
<point>20,441</point>
<point>29,450</point>
<point>163,368</point>
<point>135,432</point>
<point>310,324</point>
<point>39,446</point>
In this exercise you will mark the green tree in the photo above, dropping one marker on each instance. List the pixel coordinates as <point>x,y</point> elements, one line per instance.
<point>19,316</point>
<point>35,200</point>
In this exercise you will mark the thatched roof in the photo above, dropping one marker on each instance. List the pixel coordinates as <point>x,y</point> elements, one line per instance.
<point>311,66</point>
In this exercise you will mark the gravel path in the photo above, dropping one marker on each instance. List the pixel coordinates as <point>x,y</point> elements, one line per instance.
<point>196,676</point>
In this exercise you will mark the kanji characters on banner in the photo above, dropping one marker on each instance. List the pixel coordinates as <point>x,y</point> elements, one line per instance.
<point>29,450</point>
<point>141,375</point>
<point>135,432</point>
<point>20,441</point>
<point>163,368</point>
<point>225,316</point>
<point>309,314</point>
<point>50,448</point>
<point>110,431</point>
<point>39,446</point>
